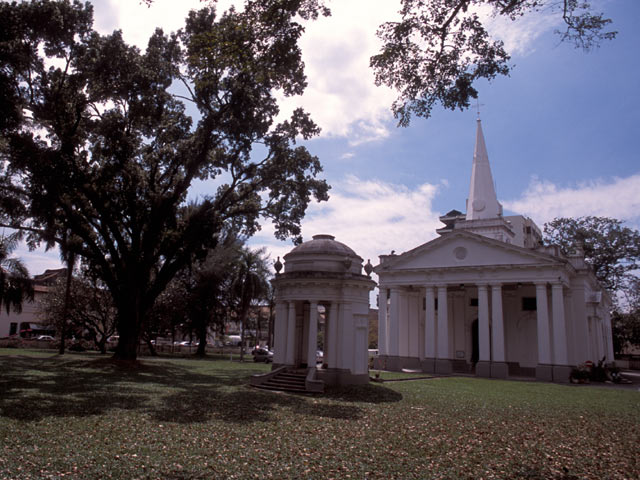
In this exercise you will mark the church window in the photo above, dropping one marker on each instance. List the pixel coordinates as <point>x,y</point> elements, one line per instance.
<point>473,302</point>
<point>13,329</point>
<point>529,304</point>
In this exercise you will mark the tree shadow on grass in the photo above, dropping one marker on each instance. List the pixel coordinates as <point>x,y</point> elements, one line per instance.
<point>32,389</point>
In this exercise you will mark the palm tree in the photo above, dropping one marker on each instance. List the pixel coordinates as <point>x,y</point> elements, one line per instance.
<point>250,283</point>
<point>16,286</point>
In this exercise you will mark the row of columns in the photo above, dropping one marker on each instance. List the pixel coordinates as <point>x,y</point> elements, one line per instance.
<point>491,340</point>
<point>286,318</point>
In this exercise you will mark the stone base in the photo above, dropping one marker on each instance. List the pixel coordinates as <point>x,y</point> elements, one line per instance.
<point>561,373</point>
<point>443,366</point>
<point>544,373</point>
<point>483,369</point>
<point>411,363</point>
<point>428,365</point>
<point>339,376</point>
<point>499,370</point>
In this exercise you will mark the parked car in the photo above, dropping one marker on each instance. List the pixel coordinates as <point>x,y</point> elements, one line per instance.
<point>319,356</point>
<point>47,338</point>
<point>262,355</point>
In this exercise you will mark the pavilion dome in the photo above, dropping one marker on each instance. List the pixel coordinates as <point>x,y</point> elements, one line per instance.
<point>323,254</point>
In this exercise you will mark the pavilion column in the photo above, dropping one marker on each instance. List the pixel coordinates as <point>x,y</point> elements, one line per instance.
<point>443,360</point>
<point>429,330</point>
<point>347,334</point>
<point>543,370</point>
<point>291,334</point>
<point>483,368</point>
<point>561,369</point>
<point>382,321</point>
<point>280,334</point>
<point>332,337</point>
<point>498,366</point>
<point>312,346</point>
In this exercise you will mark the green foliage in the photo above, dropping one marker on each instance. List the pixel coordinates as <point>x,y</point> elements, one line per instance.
<point>90,311</point>
<point>98,153</point>
<point>440,48</point>
<point>16,286</point>
<point>612,250</point>
<point>625,330</point>
<point>196,419</point>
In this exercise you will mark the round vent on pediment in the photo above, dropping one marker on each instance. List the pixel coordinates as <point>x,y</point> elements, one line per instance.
<point>460,253</point>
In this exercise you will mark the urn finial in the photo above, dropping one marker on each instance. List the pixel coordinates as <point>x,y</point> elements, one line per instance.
<point>368,267</point>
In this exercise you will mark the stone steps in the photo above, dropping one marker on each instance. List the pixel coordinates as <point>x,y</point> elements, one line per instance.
<point>286,381</point>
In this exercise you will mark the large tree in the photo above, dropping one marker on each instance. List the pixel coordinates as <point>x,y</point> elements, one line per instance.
<point>440,48</point>
<point>612,250</point>
<point>96,143</point>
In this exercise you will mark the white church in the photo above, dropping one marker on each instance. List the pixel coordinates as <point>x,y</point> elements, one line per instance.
<point>487,298</point>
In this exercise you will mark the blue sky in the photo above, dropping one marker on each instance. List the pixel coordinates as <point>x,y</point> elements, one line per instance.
<point>562,131</point>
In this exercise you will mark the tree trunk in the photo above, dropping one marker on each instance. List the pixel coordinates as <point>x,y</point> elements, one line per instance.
<point>67,297</point>
<point>201,332</point>
<point>152,349</point>
<point>128,329</point>
<point>242,322</point>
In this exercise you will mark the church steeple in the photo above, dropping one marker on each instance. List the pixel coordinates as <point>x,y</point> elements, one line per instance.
<point>482,202</point>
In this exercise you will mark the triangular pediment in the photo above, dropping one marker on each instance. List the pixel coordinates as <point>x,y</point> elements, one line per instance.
<point>464,249</point>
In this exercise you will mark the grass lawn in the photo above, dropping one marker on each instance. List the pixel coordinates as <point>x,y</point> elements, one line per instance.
<point>84,417</point>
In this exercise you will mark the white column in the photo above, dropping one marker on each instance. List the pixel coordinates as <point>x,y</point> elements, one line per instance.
<point>443,324</point>
<point>497,325</point>
<point>347,337</point>
<point>394,325</point>
<point>609,338</point>
<point>280,334</point>
<point>382,321</point>
<point>542,307</point>
<point>313,335</point>
<point>430,324</point>
<point>403,325</point>
<point>484,342</point>
<point>291,333</point>
<point>332,336</point>
<point>560,356</point>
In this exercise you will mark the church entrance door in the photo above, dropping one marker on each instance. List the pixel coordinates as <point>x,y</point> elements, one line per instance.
<point>475,344</point>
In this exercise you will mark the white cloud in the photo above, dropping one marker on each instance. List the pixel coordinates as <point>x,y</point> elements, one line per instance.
<point>372,217</point>
<point>341,95</point>
<point>519,35</point>
<point>543,201</point>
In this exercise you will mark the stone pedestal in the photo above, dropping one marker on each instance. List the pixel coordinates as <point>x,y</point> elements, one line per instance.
<point>483,369</point>
<point>561,373</point>
<point>544,373</point>
<point>499,370</point>
<point>428,365</point>
<point>443,366</point>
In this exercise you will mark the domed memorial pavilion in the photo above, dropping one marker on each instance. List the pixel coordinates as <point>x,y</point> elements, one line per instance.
<point>322,285</point>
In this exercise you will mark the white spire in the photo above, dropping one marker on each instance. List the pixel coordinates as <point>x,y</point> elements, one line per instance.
<point>482,202</point>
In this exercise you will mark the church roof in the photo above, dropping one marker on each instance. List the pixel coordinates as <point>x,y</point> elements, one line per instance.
<point>323,244</point>
<point>461,248</point>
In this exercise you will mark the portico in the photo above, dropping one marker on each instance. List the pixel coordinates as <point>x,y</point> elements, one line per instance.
<point>487,297</point>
